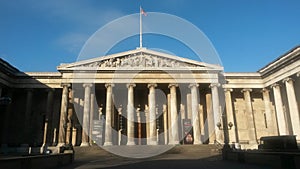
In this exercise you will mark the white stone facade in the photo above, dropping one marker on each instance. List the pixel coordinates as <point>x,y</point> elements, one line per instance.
<point>147,97</point>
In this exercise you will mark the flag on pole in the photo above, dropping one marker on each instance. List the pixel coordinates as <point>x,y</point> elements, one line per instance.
<point>143,12</point>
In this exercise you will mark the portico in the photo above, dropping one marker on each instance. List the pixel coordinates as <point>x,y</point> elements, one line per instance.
<point>144,85</point>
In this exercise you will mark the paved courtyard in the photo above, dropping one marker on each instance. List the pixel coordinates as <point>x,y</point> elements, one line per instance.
<point>180,158</point>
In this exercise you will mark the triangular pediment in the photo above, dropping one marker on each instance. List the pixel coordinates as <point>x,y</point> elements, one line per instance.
<point>141,58</point>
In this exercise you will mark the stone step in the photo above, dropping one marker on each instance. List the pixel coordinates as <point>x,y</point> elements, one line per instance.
<point>145,151</point>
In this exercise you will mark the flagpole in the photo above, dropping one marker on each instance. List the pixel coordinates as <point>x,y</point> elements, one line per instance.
<point>141,27</point>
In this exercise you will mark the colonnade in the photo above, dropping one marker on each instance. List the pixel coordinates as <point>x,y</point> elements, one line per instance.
<point>170,115</point>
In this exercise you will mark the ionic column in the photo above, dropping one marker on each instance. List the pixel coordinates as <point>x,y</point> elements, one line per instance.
<point>282,126</point>
<point>272,128</point>
<point>49,107</point>
<point>152,115</point>
<point>130,115</point>
<point>250,116</point>
<point>174,115</point>
<point>63,115</point>
<point>70,117</point>
<point>109,110</point>
<point>195,113</point>
<point>230,116</point>
<point>28,111</point>
<point>165,115</point>
<point>86,115</point>
<point>210,119</point>
<point>92,117</point>
<point>293,106</point>
<point>216,109</point>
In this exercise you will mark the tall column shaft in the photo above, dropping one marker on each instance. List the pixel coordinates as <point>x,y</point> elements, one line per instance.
<point>109,110</point>
<point>272,128</point>
<point>86,115</point>
<point>195,113</point>
<point>165,115</point>
<point>250,116</point>
<point>169,120</point>
<point>28,113</point>
<point>293,106</point>
<point>216,109</point>
<point>152,114</point>
<point>92,112</point>
<point>282,126</point>
<point>130,115</point>
<point>230,116</point>
<point>174,115</point>
<point>49,108</point>
<point>211,134</point>
<point>63,115</point>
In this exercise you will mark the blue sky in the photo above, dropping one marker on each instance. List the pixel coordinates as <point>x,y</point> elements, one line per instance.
<point>247,34</point>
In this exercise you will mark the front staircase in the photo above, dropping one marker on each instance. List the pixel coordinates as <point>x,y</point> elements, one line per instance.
<point>147,151</point>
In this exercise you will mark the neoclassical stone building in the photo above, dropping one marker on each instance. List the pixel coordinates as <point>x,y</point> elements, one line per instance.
<point>145,97</point>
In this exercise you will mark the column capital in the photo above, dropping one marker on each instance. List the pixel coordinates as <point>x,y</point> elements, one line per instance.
<point>275,85</point>
<point>228,89</point>
<point>152,85</point>
<point>246,90</point>
<point>109,84</point>
<point>265,90</point>
<point>87,85</point>
<point>130,85</point>
<point>193,84</point>
<point>172,84</point>
<point>212,85</point>
<point>287,80</point>
<point>298,74</point>
<point>65,85</point>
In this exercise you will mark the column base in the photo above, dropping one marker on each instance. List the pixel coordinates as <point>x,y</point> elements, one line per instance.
<point>174,143</point>
<point>197,142</point>
<point>107,144</point>
<point>86,144</point>
<point>152,143</point>
<point>60,144</point>
<point>131,143</point>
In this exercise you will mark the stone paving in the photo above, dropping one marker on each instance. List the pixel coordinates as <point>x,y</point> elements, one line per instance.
<point>182,157</point>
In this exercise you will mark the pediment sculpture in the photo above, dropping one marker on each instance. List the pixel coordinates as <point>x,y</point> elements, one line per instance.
<point>142,60</point>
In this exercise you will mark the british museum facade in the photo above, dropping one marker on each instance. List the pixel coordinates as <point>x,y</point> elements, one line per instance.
<point>145,97</point>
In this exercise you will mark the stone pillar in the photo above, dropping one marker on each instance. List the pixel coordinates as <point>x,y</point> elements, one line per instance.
<point>63,115</point>
<point>174,115</point>
<point>92,117</point>
<point>210,119</point>
<point>230,116</point>
<point>216,109</point>
<point>293,106</point>
<point>70,117</point>
<point>86,115</point>
<point>282,126</point>
<point>130,115</point>
<point>49,108</point>
<point>201,121</point>
<point>28,113</point>
<point>189,105</point>
<point>195,113</point>
<point>272,128</point>
<point>165,115</point>
<point>152,114</point>
<point>169,120</point>
<point>109,110</point>
<point>250,116</point>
